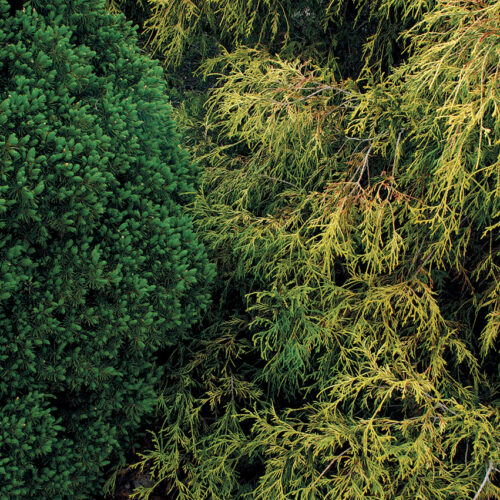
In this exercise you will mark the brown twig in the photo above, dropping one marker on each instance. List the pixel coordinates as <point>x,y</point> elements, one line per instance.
<point>364,166</point>
<point>396,152</point>
<point>325,470</point>
<point>485,480</point>
<point>280,180</point>
<point>437,404</point>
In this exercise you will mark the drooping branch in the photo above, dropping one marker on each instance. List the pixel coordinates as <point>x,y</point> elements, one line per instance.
<point>485,480</point>
<point>327,468</point>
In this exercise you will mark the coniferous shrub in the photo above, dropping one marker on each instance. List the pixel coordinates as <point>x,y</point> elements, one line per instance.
<point>351,202</point>
<point>100,267</point>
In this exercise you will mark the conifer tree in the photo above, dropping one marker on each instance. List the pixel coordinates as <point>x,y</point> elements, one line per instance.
<point>100,267</point>
<point>351,202</point>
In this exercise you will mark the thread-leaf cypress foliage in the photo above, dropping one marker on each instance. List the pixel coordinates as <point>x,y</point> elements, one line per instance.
<point>352,207</point>
<point>100,268</point>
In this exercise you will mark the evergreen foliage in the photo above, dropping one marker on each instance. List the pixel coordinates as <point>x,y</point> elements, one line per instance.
<point>351,202</point>
<point>100,267</point>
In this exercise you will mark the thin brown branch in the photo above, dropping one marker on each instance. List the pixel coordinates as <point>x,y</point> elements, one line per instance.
<point>485,480</point>
<point>364,166</point>
<point>396,152</point>
<point>325,470</point>
<point>280,180</point>
<point>438,404</point>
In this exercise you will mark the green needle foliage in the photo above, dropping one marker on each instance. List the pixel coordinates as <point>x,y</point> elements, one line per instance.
<point>351,202</point>
<point>100,266</point>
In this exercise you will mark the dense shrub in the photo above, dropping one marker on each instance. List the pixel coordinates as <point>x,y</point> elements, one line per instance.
<point>351,202</point>
<point>99,266</point>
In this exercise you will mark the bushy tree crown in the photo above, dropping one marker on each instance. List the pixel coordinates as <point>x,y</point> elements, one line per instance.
<point>100,268</point>
<point>351,200</point>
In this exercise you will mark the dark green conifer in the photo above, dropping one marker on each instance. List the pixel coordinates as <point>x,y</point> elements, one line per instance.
<point>100,268</point>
